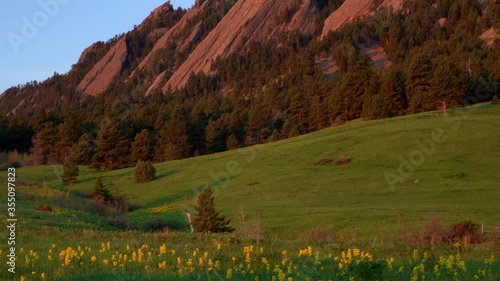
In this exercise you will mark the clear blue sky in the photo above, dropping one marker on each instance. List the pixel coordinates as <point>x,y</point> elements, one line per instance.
<point>37,40</point>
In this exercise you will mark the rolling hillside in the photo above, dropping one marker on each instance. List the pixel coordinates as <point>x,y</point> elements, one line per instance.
<point>281,184</point>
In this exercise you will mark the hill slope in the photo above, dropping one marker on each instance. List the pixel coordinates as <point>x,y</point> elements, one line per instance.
<point>280,184</point>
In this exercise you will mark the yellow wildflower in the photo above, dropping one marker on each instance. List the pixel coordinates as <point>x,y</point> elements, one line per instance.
<point>163,249</point>
<point>229,273</point>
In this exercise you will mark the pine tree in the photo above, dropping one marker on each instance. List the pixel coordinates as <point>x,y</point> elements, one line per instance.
<point>100,191</point>
<point>418,84</point>
<point>70,171</point>
<point>447,84</point>
<point>392,90</point>
<point>144,171</point>
<point>112,149</point>
<point>232,142</point>
<point>173,140</point>
<point>142,147</point>
<point>83,150</point>
<point>206,218</point>
<point>44,144</point>
<point>68,134</point>
<point>275,136</point>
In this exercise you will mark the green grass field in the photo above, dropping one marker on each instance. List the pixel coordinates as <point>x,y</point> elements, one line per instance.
<point>435,165</point>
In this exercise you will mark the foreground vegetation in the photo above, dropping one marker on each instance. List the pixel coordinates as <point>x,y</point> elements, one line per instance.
<point>134,256</point>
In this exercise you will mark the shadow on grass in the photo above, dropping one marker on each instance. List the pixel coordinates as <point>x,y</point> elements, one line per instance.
<point>167,174</point>
<point>189,193</point>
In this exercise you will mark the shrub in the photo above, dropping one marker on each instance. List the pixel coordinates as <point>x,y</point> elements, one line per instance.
<point>43,208</point>
<point>432,232</point>
<point>144,171</point>
<point>343,138</point>
<point>324,161</point>
<point>342,160</point>
<point>465,232</point>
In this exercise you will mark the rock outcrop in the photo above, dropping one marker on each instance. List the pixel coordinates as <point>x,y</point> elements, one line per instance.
<point>248,19</point>
<point>350,10</point>
<point>105,71</point>
<point>168,36</point>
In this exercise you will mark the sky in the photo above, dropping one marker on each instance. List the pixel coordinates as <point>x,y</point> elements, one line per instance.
<point>40,37</point>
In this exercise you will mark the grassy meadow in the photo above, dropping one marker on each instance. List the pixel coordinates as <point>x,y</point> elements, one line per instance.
<point>364,188</point>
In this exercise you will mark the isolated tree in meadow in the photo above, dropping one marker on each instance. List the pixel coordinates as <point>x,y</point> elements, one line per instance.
<point>70,171</point>
<point>142,147</point>
<point>144,171</point>
<point>100,191</point>
<point>206,218</point>
<point>112,149</point>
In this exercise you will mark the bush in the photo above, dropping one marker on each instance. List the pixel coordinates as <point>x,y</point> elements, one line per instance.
<point>465,232</point>
<point>432,232</point>
<point>43,208</point>
<point>324,161</point>
<point>144,171</point>
<point>342,160</point>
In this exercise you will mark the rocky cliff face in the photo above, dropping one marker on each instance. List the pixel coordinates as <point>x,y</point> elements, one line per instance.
<point>198,45</point>
<point>105,71</point>
<point>248,19</point>
<point>168,36</point>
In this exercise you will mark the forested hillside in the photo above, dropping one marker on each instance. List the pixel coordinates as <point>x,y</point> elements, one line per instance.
<point>436,57</point>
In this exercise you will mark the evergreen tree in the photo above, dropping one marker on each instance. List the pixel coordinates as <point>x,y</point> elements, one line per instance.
<point>44,144</point>
<point>142,147</point>
<point>173,140</point>
<point>392,90</point>
<point>70,171</point>
<point>232,142</point>
<point>447,84</point>
<point>275,136</point>
<point>67,136</point>
<point>144,171</point>
<point>101,192</point>
<point>418,84</point>
<point>83,150</point>
<point>206,218</point>
<point>216,135</point>
<point>112,149</point>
